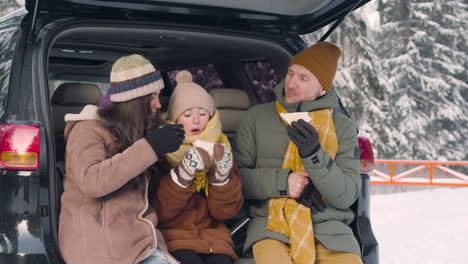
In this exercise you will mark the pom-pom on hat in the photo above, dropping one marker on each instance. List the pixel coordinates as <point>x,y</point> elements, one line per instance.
<point>186,95</point>
<point>132,77</point>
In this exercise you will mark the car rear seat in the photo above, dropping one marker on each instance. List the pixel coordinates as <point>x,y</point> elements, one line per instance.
<point>70,98</point>
<point>232,105</point>
<point>67,98</point>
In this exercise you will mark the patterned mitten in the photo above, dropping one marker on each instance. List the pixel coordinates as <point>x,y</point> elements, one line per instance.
<point>223,161</point>
<point>195,159</point>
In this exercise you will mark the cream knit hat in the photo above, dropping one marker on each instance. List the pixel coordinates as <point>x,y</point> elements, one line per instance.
<point>186,95</point>
<point>132,77</point>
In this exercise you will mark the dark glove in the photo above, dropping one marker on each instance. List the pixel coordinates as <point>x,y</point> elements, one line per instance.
<point>304,136</point>
<point>312,198</point>
<point>166,139</point>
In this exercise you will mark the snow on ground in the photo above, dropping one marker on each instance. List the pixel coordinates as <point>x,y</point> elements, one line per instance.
<point>429,226</point>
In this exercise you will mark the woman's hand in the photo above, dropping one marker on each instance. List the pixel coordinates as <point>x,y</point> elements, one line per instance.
<point>166,139</point>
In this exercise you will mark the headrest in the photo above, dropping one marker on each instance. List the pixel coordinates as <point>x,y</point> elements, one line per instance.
<point>232,105</point>
<point>76,94</point>
<point>225,98</point>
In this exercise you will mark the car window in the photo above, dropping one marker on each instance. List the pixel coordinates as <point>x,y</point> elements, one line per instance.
<point>263,79</point>
<point>8,36</point>
<point>206,76</point>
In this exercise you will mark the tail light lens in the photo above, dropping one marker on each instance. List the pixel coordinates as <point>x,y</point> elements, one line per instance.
<point>367,155</point>
<point>19,147</point>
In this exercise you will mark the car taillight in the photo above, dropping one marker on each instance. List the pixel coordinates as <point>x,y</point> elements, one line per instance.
<point>367,155</point>
<point>19,147</point>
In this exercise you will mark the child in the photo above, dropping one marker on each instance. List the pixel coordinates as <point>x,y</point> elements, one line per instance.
<point>105,216</point>
<point>203,188</point>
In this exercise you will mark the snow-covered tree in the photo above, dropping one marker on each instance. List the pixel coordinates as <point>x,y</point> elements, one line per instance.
<point>8,6</point>
<point>403,76</point>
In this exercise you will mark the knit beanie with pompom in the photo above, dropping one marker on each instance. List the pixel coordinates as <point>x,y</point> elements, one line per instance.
<point>186,95</point>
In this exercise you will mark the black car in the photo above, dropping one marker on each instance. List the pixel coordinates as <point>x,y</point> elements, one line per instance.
<point>56,55</point>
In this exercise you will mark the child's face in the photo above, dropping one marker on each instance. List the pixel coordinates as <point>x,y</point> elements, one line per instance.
<point>194,120</point>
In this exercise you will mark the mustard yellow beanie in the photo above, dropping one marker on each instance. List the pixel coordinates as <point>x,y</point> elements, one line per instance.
<point>186,95</point>
<point>321,59</point>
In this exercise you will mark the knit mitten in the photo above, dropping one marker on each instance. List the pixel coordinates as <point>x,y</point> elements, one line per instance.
<point>223,163</point>
<point>195,159</point>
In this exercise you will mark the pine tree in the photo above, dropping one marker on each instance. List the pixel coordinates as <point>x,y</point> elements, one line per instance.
<point>8,6</point>
<point>423,49</point>
<point>406,82</point>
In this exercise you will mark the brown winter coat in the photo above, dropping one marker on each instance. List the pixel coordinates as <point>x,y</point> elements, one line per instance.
<point>193,221</point>
<point>105,216</point>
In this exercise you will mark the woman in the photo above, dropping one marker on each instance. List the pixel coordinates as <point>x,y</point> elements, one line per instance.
<point>203,188</point>
<point>105,216</point>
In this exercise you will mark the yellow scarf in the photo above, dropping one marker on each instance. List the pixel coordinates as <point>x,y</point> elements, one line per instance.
<point>287,216</point>
<point>212,133</point>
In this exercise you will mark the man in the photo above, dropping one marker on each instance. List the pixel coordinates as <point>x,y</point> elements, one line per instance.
<point>301,178</point>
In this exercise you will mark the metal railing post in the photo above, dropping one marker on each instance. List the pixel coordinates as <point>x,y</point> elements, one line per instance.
<point>458,178</point>
<point>392,171</point>
<point>431,172</point>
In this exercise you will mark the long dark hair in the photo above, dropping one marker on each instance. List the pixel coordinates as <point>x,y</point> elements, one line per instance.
<point>130,121</point>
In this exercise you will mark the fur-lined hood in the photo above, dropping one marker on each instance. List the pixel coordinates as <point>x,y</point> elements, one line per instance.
<point>89,112</point>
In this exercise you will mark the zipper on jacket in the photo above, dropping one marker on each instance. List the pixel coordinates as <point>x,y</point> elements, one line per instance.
<point>102,220</point>
<point>140,216</point>
<point>211,248</point>
<point>101,214</point>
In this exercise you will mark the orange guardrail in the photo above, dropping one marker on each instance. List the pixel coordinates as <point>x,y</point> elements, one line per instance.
<point>418,172</point>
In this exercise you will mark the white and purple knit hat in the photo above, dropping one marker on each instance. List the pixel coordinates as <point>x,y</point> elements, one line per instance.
<point>132,77</point>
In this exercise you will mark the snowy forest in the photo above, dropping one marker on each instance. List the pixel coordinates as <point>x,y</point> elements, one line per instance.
<point>402,77</point>
<point>8,6</point>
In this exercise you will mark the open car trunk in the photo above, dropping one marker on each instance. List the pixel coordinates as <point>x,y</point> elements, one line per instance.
<point>83,51</point>
<point>84,54</point>
<point>302,17</point>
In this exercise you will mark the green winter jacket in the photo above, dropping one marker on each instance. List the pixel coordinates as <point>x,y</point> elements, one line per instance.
<point>259,148</point>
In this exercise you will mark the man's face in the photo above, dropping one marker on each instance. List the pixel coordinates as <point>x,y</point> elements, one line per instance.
<point>302,85</point>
